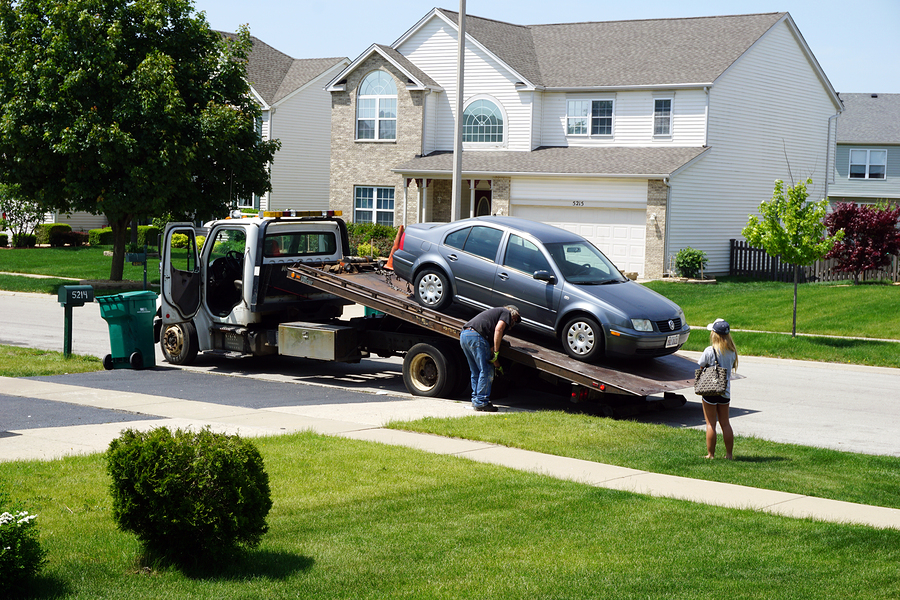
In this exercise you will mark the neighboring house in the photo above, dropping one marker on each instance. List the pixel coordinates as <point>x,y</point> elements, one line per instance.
<point>296,110</point>
<point>643,136</point>
<point>867,153</point>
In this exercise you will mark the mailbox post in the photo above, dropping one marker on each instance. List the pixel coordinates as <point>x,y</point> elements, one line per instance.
<point>69,296</point>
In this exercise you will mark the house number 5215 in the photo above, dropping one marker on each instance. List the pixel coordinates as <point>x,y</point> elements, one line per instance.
<point>577,202</point>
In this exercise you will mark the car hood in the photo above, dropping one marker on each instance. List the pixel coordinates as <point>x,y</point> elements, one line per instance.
<point>631,299</point>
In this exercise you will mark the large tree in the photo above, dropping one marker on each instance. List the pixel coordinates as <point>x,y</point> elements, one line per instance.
<point>128,108</point>
<point>871,236</point>
<point>792,228</point>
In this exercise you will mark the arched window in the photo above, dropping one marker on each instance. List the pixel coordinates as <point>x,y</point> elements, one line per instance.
<point>483,123</point>
<point>376,107</point>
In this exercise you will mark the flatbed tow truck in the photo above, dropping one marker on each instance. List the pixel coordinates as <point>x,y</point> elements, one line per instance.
<point>278,284</point>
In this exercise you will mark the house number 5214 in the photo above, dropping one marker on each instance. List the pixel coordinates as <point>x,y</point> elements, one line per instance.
<point>577,202</point>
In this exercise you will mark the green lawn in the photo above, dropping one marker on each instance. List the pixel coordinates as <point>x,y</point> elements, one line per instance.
<point>83,262</point>
<point>30,362</point>
<point>359,520</point>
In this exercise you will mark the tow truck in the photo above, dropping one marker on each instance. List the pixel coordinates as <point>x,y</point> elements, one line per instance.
<point>277,284</point>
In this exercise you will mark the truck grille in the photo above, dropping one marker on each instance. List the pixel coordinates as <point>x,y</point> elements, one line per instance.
<point>664,327</point>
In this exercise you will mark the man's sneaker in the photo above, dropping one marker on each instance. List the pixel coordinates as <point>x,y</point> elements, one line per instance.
<point>487,407</point>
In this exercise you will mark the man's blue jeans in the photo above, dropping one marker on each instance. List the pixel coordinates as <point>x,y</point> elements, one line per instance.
<point>478,353</point>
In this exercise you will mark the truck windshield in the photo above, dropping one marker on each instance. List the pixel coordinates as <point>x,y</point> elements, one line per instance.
<point>581,263</point>
<point>300,243</point>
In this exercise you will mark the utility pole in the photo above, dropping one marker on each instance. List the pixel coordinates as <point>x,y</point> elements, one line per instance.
<point>456,190</point>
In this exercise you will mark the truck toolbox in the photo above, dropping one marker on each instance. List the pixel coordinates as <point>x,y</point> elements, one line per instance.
<point>318,341</point>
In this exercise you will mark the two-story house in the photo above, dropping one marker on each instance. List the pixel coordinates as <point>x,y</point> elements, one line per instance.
<point>867,154</point>
<point>643,136</point>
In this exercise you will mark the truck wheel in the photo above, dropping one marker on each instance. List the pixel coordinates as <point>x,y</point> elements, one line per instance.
<point>179,343</point>
<point>433,289</point>
<point>428,371</point>
<point>582,338</point>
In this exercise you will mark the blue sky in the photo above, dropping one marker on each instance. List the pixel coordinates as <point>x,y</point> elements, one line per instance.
<point>857,45</point>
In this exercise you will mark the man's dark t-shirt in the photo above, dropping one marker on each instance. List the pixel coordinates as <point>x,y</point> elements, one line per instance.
<point>485,322</point>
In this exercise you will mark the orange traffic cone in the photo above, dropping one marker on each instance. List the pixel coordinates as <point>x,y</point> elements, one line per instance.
<point>390,261</point>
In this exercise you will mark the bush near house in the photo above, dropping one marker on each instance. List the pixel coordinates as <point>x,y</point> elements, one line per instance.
<point>379,237</point>
<point>53,234</point>
<point>24,240</point>
<point>4,240</point>
<point>690,262</point>
<point>146,234</point>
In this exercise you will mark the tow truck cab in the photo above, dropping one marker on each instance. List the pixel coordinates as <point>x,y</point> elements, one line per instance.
<point>224,287</point>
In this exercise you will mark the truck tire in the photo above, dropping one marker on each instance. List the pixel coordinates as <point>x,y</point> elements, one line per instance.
<point>433,289</point>
<point>582,338</point>
<point>428,371</point>
<point>179,343</point>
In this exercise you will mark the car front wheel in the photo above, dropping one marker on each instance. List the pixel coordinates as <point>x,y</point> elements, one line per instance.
<point>433,289</point>
<point>582,338</point>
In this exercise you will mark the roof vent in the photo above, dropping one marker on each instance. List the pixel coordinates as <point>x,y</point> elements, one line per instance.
<point>874,95</point>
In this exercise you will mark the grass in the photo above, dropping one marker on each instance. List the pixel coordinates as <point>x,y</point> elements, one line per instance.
<point>359,520</point>
<point>30,362</point>
<point>83,262</point>
<point>819,472</point>
<point>824,309</point>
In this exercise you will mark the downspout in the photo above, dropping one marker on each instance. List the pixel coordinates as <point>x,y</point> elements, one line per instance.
<point>830,173</point>
<point>706,129</point>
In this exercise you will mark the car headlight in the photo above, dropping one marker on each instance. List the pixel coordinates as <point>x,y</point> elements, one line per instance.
<point>642,324</point>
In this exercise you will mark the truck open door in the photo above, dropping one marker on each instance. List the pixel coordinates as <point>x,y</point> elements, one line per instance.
<point>180,276</point>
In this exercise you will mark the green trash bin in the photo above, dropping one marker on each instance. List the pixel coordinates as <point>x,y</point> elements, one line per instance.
<point>130,318</point>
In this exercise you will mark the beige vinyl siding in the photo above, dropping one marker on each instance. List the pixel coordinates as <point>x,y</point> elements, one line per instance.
<point>633,122</point>
<point>769,105</point>
<point>433,48</point>
<point>78,221</point>
<point>301,168</point>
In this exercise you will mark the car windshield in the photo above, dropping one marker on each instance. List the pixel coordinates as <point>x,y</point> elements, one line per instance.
<point>581,263</point>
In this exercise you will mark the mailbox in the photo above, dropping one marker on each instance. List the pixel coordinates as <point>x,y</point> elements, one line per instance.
<point>75,295</point>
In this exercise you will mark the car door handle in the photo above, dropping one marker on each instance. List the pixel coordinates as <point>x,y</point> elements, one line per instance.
<point>452,257</point>
<point>503,276</point>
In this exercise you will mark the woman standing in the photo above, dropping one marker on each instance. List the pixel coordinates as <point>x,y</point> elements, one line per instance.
<point>715,408</point>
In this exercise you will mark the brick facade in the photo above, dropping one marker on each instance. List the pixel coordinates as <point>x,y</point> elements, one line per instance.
<point>655,244</point>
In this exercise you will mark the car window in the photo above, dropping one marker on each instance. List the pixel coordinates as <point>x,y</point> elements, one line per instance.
<point>457,239</point>
<point>523,255</point>
<point>228,240</point>
<point>300,243</point>
<point>483,242</point>
<point>580,262</point>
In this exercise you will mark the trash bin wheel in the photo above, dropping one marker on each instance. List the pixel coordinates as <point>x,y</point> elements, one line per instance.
<point>108,362</point>
<point>136,361</point>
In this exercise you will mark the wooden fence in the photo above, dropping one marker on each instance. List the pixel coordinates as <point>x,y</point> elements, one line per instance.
<point>754,262</point>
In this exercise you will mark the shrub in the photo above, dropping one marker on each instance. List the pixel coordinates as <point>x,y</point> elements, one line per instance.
<point>180,240</point>
<point>21,555</point>
<point>147,234</point>
<point>24,240</point>
<point>188,494</point>
<point>380,237</point>
<point>53,234</point>
<point>367,250</point>
<point>4,240</point>
<point>690,263</point>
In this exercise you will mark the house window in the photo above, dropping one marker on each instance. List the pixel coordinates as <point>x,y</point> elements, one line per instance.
<point>376,107</point>
<point>374,205</point>
<point>868,164</point>
<point>482,123</point>
<point>594,116</point>
<point>662,116</point>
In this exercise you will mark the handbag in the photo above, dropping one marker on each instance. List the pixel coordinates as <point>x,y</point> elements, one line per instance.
<point>711,380</point>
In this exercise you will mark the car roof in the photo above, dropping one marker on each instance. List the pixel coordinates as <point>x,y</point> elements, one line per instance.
<point>546,234</point>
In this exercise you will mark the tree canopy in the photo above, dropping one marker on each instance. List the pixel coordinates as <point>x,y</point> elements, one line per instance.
<point>128,108</point>
<point>871,236</point>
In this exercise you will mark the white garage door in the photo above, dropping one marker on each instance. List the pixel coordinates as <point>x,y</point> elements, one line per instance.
<point>618,233</point>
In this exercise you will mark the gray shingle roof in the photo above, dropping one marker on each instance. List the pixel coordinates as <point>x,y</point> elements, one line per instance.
<point>407,65</point>
<point>558,161</point>
<point>621,53</point>
<point>274,74</point>
<point>869,120</point>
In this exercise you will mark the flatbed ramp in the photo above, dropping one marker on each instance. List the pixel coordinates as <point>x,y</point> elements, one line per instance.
<point>379,291</point>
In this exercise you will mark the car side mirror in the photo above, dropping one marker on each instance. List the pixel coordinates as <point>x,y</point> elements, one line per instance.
<point>545,276</point>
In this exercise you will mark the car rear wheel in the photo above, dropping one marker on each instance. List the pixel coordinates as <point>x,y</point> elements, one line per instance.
<point>433,289</point>
<point>582,338</point>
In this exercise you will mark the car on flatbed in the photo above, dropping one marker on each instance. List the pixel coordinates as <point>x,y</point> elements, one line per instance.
<point>561,283</point>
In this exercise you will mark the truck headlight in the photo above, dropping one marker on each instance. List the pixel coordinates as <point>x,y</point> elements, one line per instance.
<point>642,324</point>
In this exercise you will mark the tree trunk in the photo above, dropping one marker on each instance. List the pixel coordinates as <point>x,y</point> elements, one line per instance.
<point>796,278</point>
<point>119,229</point>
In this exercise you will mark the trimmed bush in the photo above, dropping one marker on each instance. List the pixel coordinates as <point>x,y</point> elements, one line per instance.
<point>24,240</point>
<point>381,237</point>
<point>53,234</point>
<point>368,250</point>
<point>690,263</point>
<point>147,234</point>
<point>4,240</point>
<point>21,555</point>
<point>188,494</point>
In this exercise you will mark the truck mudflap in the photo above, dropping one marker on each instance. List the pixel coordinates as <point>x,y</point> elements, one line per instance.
<point>377,291</point>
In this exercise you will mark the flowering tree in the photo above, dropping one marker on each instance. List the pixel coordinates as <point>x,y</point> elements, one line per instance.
<point>21,215</point>
<point>871,236</point>
<point>792,228</point>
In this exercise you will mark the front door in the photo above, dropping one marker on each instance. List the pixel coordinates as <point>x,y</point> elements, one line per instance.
<point>179,273</point>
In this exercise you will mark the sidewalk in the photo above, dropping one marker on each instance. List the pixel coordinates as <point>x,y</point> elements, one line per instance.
<point>55,442</point>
